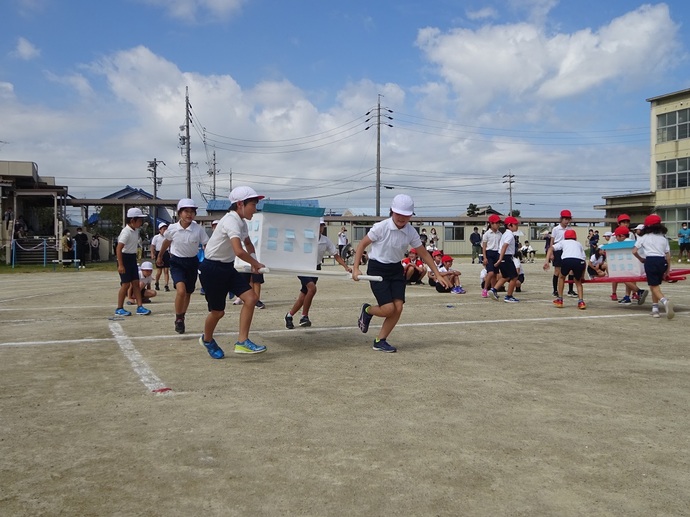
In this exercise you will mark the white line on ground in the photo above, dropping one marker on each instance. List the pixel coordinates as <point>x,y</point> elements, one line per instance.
<point>142,369</point>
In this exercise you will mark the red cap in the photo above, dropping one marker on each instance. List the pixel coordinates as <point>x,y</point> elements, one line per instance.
<point>570,234</point>
<point>566,213</point>
<point>493,218</point>
<point>436,253</point>
<point>511,220</point>
<point>447,258</point>
<point>621,230</point>
<point>623,217</point>
<point>651,220</point>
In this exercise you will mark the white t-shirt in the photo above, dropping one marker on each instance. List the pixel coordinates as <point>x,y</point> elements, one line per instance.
<point>596,261</point>
<point>219,246</point>
<point>571,249</point>
<point>653,245</point>
<point>492,240</point>
<point>342,238</point>
<point>146,280</point>
<point>326,247</point>
<point>157,241</point>
<point>557,234</point>
<point>390,243</point>
<point>508,237</point>
<point>130,238</point>
<point>185,241</point>
<point>518,265</point>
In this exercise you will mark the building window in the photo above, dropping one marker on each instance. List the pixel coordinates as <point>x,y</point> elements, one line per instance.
<point>673,126</point>
<point>360,232</point>
<point>673,174</point>
<point>454,233</point>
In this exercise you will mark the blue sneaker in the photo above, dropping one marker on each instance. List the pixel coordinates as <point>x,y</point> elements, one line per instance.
<point>143,311</point>
<point>641,296</point>
<point>248,347</point>
<point>212,347</point>
<point>381,345</point>
<point>510,299</point>
<point>230,296</point>
<point>122,312</point>
<point>625,301</point>
<point>494,294</point>
<point>364,318</point>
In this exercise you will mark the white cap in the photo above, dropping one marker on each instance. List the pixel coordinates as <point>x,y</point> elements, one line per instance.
<point>135,212</point>
<point>215,222</point>
<point>322,221</point>
<point>403,204</point>
<point>161,225</point>
<point>186,203</point>
<point>242,193</point>
<point>146,265</point>
<point>608,234</point>
<point>639,227</point>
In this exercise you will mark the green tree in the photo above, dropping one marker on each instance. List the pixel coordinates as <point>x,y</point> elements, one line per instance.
<point>515,213</point>
<point>472,210</point>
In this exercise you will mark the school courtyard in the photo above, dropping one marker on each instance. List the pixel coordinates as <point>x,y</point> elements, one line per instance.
<point>487,408</point>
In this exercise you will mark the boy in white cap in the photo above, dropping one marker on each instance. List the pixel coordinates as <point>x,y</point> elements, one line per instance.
<point>183,238</point>
<point>126,253</point>
<point>219,276</point>
<point>505,263</point>
<point>389,240</point>
<point>308,290</point>
<point>156,244</point>
<point>145,280</point>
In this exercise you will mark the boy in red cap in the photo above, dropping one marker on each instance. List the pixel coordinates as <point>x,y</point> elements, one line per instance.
<point>453,275</point>
<point>553,255</point>
<point>437,255</point>
<point>413,267</point>
<point>572,263</point>
<point>505,264</point>
<point>491,244</point>
<point>652,249</point>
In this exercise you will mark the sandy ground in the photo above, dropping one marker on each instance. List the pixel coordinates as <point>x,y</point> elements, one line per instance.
<point>487,408</point>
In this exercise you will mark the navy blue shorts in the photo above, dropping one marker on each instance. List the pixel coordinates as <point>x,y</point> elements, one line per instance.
<point>557,258</point>
<point>218,279</point>
<point>393,285</point>
<point>573,266</point>
<point>257,278</point>
<point>185,269</point>
<point>655,268</point>
<point>491,258</point>
<point>131,273</point>
<point>166,259</point>
<point>507,268</point>
<point>306,280</point>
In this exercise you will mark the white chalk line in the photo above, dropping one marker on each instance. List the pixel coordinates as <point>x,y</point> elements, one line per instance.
<point>194,336</point>
<point>139,365</point>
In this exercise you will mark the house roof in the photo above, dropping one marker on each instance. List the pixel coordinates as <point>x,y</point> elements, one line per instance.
<point>129,193</point>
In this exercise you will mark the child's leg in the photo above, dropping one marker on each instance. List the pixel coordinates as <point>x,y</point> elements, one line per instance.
<point>249,299</point>
<point>656,293</point>
<point>311,292</point>
<point>122,293</point>
<point>148,293</point>
<point>561,285</point>
<point>136,292</point>
<point>391,312</point>
<point>580,289</point>
<point>298,304</point>
<point>511,286</point>
<point>210,324</point>
<point>166,274</point>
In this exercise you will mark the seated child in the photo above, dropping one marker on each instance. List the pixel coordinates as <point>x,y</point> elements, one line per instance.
<point>446,270</point>
<point>528,252</point>
<point>517,260</point>
<point>145,280</point>
<point>437,256</point>
<point>413,267</point>
<point>596,266</point>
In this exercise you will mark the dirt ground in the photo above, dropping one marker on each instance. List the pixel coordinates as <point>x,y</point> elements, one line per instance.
<point>487,408</point>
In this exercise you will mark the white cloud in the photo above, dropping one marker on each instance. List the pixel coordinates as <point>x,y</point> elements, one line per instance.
<point>75,81</point>
<point>481,14</point>
<point>520,60</point>
<point>25,50</point>
<point>199,10</point>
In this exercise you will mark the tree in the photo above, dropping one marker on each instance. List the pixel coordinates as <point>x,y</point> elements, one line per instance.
<point>472,210</point>
<point>515,213</point>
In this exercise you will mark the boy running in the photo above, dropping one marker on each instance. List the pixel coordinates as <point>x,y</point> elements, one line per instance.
<point>653,250</point>
<point>126,253</point>
<point>572,263</point>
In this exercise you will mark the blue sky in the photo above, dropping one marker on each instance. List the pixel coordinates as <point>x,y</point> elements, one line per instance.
<point>551,92</point>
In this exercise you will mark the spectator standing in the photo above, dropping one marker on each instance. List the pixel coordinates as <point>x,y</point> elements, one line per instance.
<point>476,241</point>
<point>82,242</point>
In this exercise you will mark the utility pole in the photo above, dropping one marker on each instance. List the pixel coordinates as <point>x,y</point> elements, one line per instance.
<point>212,172</point>
<point>378,149</point>
<point>153,169</point>
<point>187,109</point>
<point>231,179</point>
<point>510,182</point>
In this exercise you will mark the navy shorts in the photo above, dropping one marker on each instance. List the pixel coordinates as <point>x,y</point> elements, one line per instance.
<point>166,259</point>
<point>257,278</point>
<point>185,269</point>
<point>218,279</point>
<point>507,268</point>
<point>557,258</point>
<point>131,273</point>
<point>306,280</point>
<point>573,266</point>
<point>393,285</point>
<point>491,258</point>
<point>655,268</point>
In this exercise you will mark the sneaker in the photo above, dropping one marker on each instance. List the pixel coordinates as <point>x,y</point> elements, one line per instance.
<point>641,296</point>
<point>625,300</point>
<point>581,305</point>
<point>167,289</point>
<point>230,296</point>
<point>143,311</point>
<point>510,299</point>
<point>288,321</point>
<point>129,302</point>
<point>655,314</point>
<point>572,294</point>
<point>238,301</point>
<point>158,287</point>
<point>260,305</point>
<point>668,305</point>
<point>248,347</point>
<point>202,292</point>
<point>680,260</point>
<point>558,302</point>
<point>179,326</point>
<point>146,300</point>
<point>212,348</point>
<point>614,297</point>
<point>518,290</point>
<point>304,321</point>
<point>455,290</point>
<point>461,291</point>
<point>122,312</point>
<point>485,294</point>
<point>635,296</point>
<point>381,345</point>
<point>494,294</point>
<point>364,318</point>
<point>555,293</point>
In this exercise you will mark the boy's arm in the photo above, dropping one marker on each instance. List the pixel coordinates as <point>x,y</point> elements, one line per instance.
<point>120,260</point>
<point>246,255</point>
<point>366,241</point>
<point>164,248</point>
<point>502,254</point>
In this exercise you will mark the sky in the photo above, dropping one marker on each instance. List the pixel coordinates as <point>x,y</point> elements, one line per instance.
<point>541,103</point>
